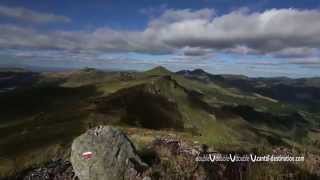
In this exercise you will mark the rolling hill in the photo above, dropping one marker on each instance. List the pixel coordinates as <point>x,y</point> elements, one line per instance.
<point>227,113</point>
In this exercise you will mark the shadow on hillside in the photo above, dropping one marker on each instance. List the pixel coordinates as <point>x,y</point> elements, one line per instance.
<point>140,108</point>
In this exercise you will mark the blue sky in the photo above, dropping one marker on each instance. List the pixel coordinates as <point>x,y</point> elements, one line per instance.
<point>254,38</point>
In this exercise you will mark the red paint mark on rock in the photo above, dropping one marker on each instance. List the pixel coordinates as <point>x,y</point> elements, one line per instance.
<point>87,155</point>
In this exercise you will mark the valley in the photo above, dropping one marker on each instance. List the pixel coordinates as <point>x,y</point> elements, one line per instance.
<point>44,112</point>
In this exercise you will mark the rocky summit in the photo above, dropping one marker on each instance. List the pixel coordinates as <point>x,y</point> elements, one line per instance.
<point>105,153</point>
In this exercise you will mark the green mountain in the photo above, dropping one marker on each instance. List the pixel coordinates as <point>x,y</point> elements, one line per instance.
<point>226,113</point>
<point>158,71</point>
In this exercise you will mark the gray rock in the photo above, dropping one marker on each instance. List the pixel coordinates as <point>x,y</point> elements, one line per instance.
<point>53,170</point>
<point>113,156</point>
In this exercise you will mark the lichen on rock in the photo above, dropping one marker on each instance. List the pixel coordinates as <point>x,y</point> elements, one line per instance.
<point>113,156</point>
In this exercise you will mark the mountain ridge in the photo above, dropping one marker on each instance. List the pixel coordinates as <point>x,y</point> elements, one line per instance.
<point>216,112</point>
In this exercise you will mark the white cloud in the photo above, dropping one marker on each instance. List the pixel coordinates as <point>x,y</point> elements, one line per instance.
<point>276,32</point>
<point>30,15</point>
<point>195,51</point>
<point>264,32</point>
<point>298,52</point>
<point>306,61</point>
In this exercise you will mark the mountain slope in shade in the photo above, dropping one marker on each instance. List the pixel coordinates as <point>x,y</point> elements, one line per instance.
<point>215,110</point>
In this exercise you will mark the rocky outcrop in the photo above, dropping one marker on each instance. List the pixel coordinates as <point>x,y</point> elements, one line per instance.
<point>53,170</point>
<point>105,153</point>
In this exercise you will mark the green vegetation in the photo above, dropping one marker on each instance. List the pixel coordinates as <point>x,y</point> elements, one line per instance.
<point>39,122</point>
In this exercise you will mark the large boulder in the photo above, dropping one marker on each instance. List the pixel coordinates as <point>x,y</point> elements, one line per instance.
<point>105,153</point>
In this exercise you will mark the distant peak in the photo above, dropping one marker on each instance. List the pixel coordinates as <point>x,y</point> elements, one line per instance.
<point>88,69</point>
<point>159,70</point>
<point>199,71</point>
<point>13,70</point>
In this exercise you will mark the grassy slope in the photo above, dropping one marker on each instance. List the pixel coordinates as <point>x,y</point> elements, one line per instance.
<point>39,123</point>
<point>40,118</point>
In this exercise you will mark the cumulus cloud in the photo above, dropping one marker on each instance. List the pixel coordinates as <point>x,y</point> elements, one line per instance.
<point>195,51</point>
<point>102,39</point>
<point>30,15</point>
<point>299,52</point>
<point>264,32</point>
<point>172,16</point>
<point>306,61</point>
<point>278,32</point>
<point>241,49</point>
<point>18,37</point>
